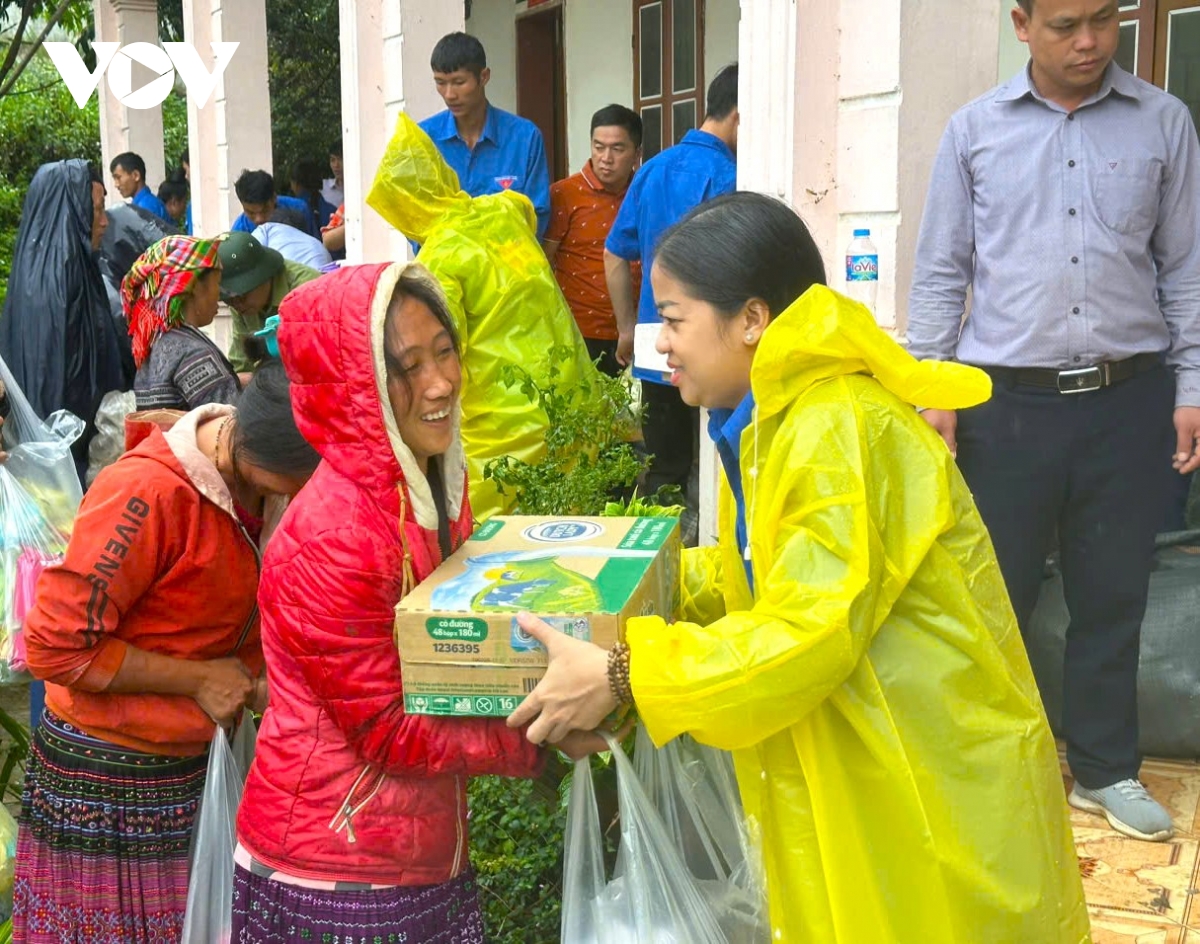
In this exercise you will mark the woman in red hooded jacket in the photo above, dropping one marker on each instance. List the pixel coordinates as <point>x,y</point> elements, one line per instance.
<point>353,825</point>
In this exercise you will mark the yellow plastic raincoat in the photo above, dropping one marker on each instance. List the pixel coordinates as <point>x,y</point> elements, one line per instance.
<point>503,298</point>
<point>892,751</point>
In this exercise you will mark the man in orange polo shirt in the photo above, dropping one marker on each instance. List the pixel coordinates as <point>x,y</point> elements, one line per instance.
<point>582,210</point>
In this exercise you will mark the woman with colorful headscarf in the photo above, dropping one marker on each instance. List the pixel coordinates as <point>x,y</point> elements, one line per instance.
<point>169,295</point>
<point>850,640</point>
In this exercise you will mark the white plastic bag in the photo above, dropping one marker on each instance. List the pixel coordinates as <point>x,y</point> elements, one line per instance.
<point>108,445</point>
<point>694,789</point>
<point>652,898</point>
<point>39,455</point>
<point>39,497</point>
<point>209,917</point>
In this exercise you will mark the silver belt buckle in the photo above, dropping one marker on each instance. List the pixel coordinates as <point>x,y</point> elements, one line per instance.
<point>1083,380</point>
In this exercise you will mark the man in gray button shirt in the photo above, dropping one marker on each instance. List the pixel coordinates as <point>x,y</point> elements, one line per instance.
<point>1068,201</point>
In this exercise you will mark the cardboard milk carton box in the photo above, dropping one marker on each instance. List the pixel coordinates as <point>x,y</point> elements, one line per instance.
<point>461,649</point>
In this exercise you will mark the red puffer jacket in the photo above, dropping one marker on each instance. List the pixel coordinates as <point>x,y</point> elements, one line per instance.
<point>345,785</point>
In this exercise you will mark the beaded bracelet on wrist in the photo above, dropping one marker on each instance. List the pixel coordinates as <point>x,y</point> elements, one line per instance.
<point>618,674</point>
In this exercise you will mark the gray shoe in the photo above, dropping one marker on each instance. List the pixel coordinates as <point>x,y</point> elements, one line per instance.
<point>1128,808</point>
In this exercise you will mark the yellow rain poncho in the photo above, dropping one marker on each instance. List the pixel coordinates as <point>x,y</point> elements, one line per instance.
<point>891,748</point>
<point>503,297</point>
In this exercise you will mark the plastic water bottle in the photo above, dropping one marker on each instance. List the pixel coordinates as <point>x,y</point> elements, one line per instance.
<point>862,269</point>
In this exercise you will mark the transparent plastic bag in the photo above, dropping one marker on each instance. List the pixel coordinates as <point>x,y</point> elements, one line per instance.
<point>694,790</point>
<point>209,916</point>
<point>652,898</point>
<point>39,455</point>
<point>39,497</point>
<point>108,444</point>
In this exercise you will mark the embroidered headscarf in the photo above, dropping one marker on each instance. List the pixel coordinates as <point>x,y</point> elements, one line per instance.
<point>154,293</point>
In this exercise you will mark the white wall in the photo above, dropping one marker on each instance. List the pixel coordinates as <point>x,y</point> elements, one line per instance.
<point>599,60</point>
<point>1013,53</point>
<point>493,23</point>
<point>721,21</point>
<point>937,77</point>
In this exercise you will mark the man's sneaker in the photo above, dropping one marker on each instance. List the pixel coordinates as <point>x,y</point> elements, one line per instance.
<point>1128,808</point>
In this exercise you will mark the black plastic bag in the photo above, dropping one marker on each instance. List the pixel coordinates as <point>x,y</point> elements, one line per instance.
<point>1169,667</point>
<point>56,332</point>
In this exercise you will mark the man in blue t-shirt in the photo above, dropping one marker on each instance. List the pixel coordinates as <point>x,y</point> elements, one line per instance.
<point>261,204</point>
<point>129,177</point>
<point>490,149</point>
<point>700,167</point>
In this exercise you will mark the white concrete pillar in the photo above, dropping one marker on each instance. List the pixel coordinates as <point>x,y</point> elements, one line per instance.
<point>385,47</point>
<point>232,132</point>
<point>129,129</point>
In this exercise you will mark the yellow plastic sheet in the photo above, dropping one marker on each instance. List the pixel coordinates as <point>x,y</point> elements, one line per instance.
<point>891,746</point>
<point>503,298</point>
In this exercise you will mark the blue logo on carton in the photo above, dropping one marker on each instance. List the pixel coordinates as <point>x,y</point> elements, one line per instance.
<point>562,531</point>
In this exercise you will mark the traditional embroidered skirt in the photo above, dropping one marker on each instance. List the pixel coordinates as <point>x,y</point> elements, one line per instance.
<point>269,908</point>
<point>102,853</point>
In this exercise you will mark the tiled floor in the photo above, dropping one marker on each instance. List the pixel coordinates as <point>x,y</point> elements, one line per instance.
<point>1145,892</point>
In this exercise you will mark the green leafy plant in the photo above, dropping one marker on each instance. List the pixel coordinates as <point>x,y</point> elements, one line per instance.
<point>588,456</point>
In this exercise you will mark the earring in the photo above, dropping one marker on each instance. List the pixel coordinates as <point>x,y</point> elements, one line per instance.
<point>749,338</point>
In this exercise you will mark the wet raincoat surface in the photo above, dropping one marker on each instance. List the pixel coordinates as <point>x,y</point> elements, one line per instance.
<point>503,297</point>
<point>57,333</point>
<point>891,747</point>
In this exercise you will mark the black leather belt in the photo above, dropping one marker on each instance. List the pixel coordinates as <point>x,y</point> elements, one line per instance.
<point>1078,380</point>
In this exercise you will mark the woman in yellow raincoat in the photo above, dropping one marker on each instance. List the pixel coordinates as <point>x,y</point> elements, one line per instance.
<point>851,640</point>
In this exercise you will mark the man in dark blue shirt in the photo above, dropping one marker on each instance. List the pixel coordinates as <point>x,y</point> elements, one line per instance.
<point>261,204</point>
<point>490,149</point>
<point>129,177</point>
<point>700,167</point>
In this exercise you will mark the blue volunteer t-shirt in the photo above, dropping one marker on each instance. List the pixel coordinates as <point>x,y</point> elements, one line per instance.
<point>243,224</point>
<point>725,428</point>
<point>698,168</point>
<point>509,155</point>
<point>146,199</point>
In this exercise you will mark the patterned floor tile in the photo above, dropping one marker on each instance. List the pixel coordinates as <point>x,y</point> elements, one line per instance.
<point>1145,892</point>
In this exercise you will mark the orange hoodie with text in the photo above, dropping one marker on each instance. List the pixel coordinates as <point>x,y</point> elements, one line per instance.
<point>157,560</point>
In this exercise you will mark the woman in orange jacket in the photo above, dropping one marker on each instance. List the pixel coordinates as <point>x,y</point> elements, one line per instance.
<point>146,634</point>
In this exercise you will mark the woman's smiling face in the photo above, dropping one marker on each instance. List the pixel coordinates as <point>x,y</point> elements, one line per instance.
<point>423,378</point>
<point>709,364</point>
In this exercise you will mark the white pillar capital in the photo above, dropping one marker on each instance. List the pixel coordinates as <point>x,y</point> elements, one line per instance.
<point>136,6</point>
